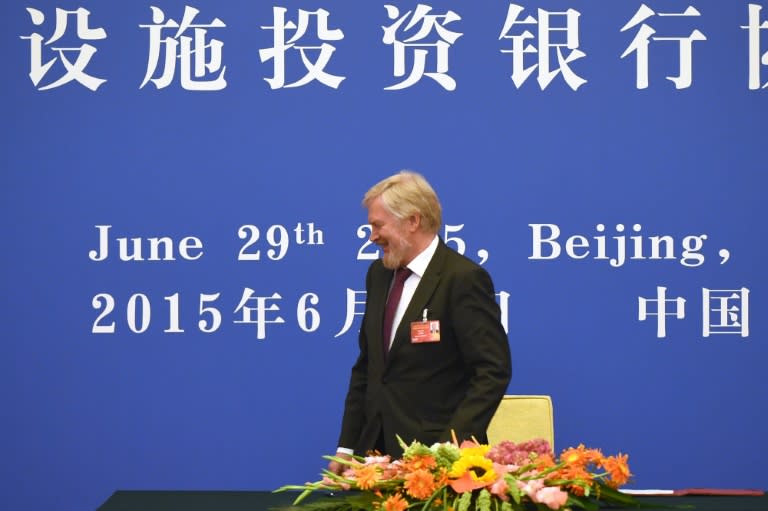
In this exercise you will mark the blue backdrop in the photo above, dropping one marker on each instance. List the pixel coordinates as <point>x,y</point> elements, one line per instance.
<point>213,351</point>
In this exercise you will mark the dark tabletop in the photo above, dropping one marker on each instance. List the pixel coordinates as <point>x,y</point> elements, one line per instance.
<point>263,500</point>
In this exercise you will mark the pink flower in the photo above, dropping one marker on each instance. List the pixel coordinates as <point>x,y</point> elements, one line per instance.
<point>509,453</point>
<point>499,488</point>
<point>551,496</point>
<point>331,483</point>
<point>377,460</point>
<point>531,487</point>
<point>392,470</point>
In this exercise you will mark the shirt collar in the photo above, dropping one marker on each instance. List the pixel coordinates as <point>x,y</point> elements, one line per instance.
<point>421,261</point>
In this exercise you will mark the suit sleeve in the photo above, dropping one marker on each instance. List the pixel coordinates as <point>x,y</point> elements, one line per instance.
<point>354,405</point>
<point>484,347</point>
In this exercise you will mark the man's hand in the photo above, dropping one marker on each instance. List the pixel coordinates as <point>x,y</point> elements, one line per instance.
<point>336,467</point>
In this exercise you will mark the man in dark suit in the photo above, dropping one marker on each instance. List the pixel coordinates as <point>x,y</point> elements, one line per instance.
<point>445,363</point>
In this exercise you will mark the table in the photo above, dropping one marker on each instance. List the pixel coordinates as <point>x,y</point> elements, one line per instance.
<point>124,500</point>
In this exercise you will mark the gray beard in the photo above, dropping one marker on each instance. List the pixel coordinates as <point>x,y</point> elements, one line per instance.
<point>394,259</point>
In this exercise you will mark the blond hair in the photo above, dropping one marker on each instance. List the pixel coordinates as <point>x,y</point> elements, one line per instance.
<point>407,193</point>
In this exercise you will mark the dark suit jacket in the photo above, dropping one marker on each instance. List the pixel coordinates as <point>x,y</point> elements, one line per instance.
<point>422,391</point>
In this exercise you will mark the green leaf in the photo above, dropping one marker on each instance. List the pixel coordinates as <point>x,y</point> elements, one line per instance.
<point>582,502</point>
<point>609,494</point>
<point>483,501</point>
<point>343,461</point>
<point>428,502</point>
<point>512,488</point>
<point>302,496</point>
<point>464,501</point>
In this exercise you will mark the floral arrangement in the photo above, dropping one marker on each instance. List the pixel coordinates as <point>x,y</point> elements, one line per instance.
<point>474,477</point>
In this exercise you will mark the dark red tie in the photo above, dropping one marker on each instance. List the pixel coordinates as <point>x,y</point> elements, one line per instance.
<point>394,298</point>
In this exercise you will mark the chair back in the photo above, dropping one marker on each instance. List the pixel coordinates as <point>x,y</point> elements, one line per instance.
<point>521,418</point>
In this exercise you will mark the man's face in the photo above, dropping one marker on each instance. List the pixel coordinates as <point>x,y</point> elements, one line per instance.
<point>390,233</point>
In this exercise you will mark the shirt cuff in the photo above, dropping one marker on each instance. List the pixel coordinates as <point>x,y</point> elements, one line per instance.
<point>344,450</point>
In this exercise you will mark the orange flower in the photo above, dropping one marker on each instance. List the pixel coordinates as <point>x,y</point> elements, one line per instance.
<point>544,462</point>
<point>395,503</point>
<point>366,476</point>
<point>618,469</point>
<point>576,490</point>
<point>420,484</point>
<point>594,456</point>
<point>419,462</point>
<point>441,477</point>
<point>581,456</point>
<point>573,472</point>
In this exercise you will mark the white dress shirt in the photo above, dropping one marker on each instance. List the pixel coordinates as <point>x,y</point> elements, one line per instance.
<point>418,266</point>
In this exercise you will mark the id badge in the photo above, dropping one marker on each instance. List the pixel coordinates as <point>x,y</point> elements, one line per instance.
<point>425,331</point>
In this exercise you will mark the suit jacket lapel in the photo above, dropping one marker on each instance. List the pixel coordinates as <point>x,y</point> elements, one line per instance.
<point>421,297</point>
